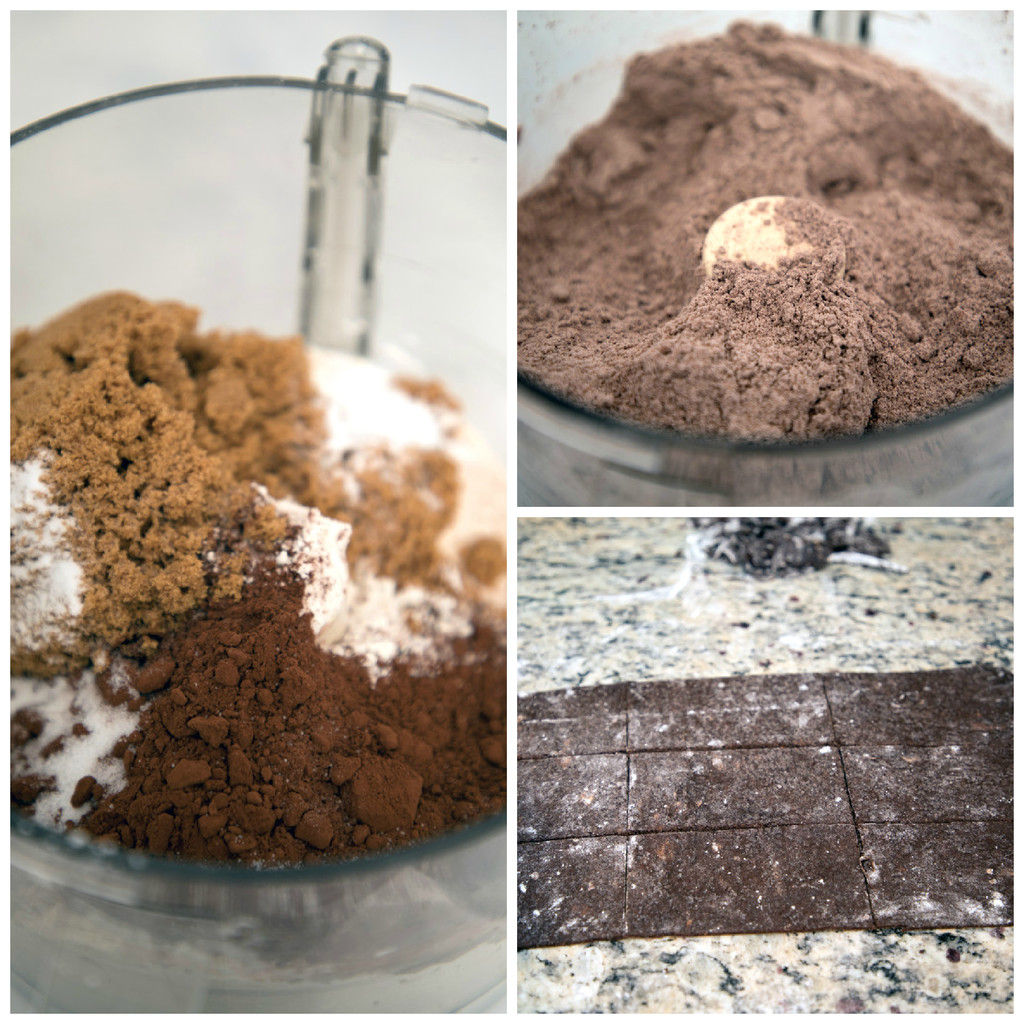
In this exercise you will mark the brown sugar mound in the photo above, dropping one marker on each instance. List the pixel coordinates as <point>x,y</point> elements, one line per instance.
<point>484,559</point>
<point>256,409</point>
<point>433,392</point>
<point>124,459</point>
<point>262,747</point>
<point>152,433</point>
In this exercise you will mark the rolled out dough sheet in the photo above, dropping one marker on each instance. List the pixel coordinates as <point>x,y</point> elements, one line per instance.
<point>766,804</point>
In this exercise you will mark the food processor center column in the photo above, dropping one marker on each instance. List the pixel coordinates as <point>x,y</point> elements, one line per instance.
<point>343,219</point>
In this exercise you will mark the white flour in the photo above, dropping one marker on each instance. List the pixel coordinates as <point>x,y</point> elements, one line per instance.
<point>383,621</point>
<point>317,556</point>
<point>46,581</point>
<point>364,408</point>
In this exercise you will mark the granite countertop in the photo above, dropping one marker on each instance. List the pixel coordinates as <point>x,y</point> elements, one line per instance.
<point>607,600</point>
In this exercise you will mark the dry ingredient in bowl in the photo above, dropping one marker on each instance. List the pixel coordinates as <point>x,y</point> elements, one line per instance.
<point>257,594</point>
<point>617,313</point>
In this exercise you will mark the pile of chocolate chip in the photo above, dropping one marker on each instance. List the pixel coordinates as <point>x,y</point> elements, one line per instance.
<point>782,546</point>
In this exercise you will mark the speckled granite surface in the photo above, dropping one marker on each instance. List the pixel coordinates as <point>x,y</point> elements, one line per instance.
<point>607,600</point>
<point>823,972</point>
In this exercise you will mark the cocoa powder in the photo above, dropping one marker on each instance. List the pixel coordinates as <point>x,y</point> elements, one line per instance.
<point>256,745</point>
<point>616,313</point>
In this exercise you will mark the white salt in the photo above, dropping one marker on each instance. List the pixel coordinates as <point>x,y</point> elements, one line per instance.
<point>61,704</point>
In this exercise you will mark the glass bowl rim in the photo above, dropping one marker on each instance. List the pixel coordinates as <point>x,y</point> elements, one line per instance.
<point>85,851</point>
<point>675,439</point>
<point>209,84</point>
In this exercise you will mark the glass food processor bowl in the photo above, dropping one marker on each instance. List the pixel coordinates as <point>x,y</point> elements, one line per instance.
<point>99,929</point>
<point>570,71</point>
<point>194,191</point>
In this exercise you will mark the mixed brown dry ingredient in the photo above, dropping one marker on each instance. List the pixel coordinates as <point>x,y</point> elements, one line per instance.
<point>253,742</point>
<point>404,503</point>
<point>154,433</point>
<point>617,315</point>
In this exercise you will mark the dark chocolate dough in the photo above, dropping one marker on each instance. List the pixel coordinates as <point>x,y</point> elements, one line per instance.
<point>571,890</point>
<point>920,708</point>
<point>766,711</point>
<point>968,781</point>
<point>767,803</point>
<point>696,789</point>
<point>940,875</point>
<point>587,720</point>
<point>572,796</point>
<point>791,878</point>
